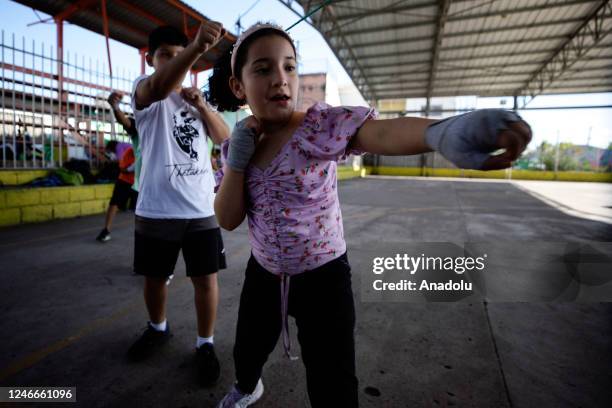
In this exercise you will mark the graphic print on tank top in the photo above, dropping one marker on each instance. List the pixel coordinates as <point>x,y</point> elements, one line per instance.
<point>186,136</point>
<point>184,132</point>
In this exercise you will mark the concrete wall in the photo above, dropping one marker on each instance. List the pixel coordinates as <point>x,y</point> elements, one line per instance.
<point>17,177</point>
<point>492,174</point>
<point>349,172</point>
<point>25,205</point>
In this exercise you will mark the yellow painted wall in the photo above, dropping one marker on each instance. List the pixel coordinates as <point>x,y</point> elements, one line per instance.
<point>24,205</point>
<point>17,177</point>
<point>348,172</point>
<point>493,174</point>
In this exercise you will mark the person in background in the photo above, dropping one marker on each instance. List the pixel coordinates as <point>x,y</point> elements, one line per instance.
<point>128,174</point>
<point>129,125</point>
<point>123,194</point>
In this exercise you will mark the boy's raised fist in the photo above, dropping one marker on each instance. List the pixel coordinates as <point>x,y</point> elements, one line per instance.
<point>209,34</point>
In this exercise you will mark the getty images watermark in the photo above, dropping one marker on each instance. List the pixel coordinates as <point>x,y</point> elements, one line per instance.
<point>412,265</point>
<point>492,271</point>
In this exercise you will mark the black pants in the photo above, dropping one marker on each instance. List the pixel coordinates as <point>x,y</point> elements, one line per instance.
<point>122,194</point>
<point>321,301</point>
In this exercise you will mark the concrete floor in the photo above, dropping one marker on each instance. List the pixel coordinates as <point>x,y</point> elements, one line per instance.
<point>71,307</point>
<point>587,200</point>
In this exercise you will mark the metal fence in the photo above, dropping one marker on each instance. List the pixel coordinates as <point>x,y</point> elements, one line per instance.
<point>52,110</point>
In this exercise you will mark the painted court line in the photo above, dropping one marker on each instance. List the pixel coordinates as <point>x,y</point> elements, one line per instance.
<point>35,357</point>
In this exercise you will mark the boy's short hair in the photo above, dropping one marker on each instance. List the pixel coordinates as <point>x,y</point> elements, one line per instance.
<point>166,35</point>
<point>111,145</point>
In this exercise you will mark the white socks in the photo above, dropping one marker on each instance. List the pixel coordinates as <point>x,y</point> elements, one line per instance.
<point>200,340</point>
<point>204,340</point>
<point>159,326</point>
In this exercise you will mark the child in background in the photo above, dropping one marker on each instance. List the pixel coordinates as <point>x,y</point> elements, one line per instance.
<point>175,204</point>
<point>128,168</point>
<point>129,125</point>
<point>280,172</point>
<point>122,191</point>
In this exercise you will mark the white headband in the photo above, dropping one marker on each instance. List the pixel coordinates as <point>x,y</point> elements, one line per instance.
<point>253,29</point>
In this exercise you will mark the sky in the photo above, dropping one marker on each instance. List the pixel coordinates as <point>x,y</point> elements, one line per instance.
<point>578,126</point>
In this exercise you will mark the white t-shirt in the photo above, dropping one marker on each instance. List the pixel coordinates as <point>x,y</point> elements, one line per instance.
<point>176,178</point>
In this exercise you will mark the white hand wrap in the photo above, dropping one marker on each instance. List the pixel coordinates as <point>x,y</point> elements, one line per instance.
<point>467,140</point>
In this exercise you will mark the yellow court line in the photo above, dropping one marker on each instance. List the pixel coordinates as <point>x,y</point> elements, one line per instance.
<point>38,355</point>
<point>391,211</point>
<point>51,237</point>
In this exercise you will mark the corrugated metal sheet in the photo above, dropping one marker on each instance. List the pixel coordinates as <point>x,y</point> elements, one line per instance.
<point>130,21</point>
<point>486,48</point>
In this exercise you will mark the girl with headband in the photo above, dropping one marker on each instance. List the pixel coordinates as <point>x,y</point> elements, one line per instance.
<point>280,172</point>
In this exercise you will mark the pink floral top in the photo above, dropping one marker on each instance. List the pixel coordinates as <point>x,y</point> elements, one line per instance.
<point>294,217</point>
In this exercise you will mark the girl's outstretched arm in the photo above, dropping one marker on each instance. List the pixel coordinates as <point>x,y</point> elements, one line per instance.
<point>466,140</point>
<point>393,137</point>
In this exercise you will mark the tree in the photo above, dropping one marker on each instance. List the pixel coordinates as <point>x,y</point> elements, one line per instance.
<point>567,156</point>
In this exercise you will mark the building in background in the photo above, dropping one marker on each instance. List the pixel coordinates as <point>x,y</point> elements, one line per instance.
<point>390,108</point>
<point>350,95</point>
<point>317,87</point>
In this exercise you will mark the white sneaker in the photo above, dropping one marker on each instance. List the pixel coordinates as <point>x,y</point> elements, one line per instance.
<point>236,399</point>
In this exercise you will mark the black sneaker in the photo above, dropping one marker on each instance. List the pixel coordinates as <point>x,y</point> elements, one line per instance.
<point>207,364</point>
<point>148,343</point>
<point>104,236</point>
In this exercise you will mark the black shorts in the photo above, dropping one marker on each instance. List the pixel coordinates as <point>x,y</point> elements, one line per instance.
<point>122,193</point>
<point>158,242</point>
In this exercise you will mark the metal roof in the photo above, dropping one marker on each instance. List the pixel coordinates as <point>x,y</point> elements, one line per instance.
<point>131,21</point>
<point>426,48</point>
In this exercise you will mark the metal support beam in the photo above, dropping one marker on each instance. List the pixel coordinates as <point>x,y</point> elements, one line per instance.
<point>395,9</point>
<point>480,84</point>
<point>447,84</point>
<point>185,28</point>
<point>443,7</point>
<point>418,39</point>
<point>407,112</point>
<point>408,6</point>
<point>467,58</point>
<point>346,56</point>
<point>475,80</point>
<point>412,53</point>
<point>485,69</point>
<point>485,77</point>
<point>62,97</point>
<point>462,17</point>
<point>142,53</point>
<point>106,37</point>
<point>186,10</point>
<point>388,69</point>
<point>588,34</point>
<point>73,8</point>
<point>137,10</point>
<point>594,88</point>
